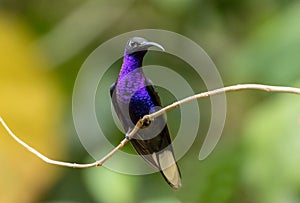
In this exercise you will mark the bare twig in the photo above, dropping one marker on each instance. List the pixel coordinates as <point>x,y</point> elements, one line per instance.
<point>131,134</point>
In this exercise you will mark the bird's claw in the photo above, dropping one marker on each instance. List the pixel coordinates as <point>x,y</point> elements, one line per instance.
<point>146,121</point>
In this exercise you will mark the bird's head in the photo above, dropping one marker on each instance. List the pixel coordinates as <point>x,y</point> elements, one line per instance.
<point>138,44</point>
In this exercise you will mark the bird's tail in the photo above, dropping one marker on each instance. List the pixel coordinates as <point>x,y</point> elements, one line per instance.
<point>169,168</point>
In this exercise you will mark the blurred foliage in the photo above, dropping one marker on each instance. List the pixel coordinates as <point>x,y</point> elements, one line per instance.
<point>270,55</point>
<point>43,44</point>
<point>272,144</point>
<point>28,96</point>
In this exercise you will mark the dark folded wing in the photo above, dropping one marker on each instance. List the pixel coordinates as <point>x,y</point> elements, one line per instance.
<point>156,151</point>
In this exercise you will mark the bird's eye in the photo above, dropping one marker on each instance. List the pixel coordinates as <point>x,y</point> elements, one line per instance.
<point>133,44</point>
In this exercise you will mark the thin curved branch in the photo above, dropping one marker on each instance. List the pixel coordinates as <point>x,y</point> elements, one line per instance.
<point>232,88</point>
<point>239,87</point>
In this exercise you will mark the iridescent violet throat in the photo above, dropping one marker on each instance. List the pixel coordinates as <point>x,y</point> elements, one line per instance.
<point>133,96</point>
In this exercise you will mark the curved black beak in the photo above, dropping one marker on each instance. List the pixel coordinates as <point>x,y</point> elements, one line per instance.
<point>150,44</point>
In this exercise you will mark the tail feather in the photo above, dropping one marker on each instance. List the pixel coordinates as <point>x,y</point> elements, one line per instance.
<point>169,168</point>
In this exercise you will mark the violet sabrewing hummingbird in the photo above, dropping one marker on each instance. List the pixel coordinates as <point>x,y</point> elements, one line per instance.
<point>133,96</point>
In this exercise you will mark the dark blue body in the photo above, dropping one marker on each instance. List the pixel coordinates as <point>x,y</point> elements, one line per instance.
<point>134,96</point>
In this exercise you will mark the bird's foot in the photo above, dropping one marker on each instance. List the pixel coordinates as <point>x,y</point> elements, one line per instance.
<point>146,121</point>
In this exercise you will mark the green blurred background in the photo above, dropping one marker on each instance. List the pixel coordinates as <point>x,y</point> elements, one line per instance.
<point>43,45</point>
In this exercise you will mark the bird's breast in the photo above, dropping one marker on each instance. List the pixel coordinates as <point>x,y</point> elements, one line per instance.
<point>128,86</point>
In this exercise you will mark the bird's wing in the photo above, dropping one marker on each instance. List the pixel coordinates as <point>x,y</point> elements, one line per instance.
<point>125,121</point>
<point>152,92</point>
<point>147,147</point>
<point>140,145</point>
<point>159,149</point>
<point>156,151</point>
<point>112,89</point>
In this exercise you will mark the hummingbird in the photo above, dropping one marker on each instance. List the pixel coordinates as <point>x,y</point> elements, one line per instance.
<point>134,96</point>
